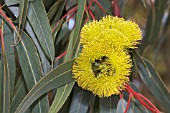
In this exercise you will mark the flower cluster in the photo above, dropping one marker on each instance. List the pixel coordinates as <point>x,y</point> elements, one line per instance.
<point>104,65</point>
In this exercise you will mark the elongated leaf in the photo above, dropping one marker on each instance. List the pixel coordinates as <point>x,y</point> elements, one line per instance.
<point>154,83</point>
<point>38,19</point>
<point>6,86</point>
<point>109,105</point>
<point>62,33</point>
<point>31,68</point>
<point>74,37</point>
<point>21,92</point>
<point>55,32</point>
<point>1,86</point>
<point>23,9</point>
<point>60,97</point>
<point>53,9</point>
<point>80,100</point>
<point>13,2</point>
<point>56,78</point>
<point>58,13</point>
<point>154,22</point>
<point>9,51</point>
<point>8,67</point>
<point>44,61</point>
<point>121,107</point>
<point>138,108</point>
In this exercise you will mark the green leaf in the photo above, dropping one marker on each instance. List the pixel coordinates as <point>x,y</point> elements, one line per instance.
<point>21,92</point>
<point>56,78</point>
<point>61,34</point>
<point>154,83</point>
<point>44,60</point>
<point>31,68</point>
<point>137,107</point>
<point>57,29</point>
<point>9,51</point>
<point>39,22</point>
<point>1,86</point>
<point>80,100</point>
<point>61,96</point>
<point>6,86</point>
<point>54,14</point>
<point>23,9</point>
<point>154,23</point>
<point>121,107</point>
<point>8,68</point>
<point>108,105</point>
<point>74,36</point>
<point>14,2</point>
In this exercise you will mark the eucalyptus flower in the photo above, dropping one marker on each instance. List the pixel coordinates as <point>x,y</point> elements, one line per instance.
<point>103,70</point>
<point>104,65</point>
<point>111,29</point>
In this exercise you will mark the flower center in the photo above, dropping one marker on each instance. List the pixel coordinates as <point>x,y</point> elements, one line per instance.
<point>102,66</point>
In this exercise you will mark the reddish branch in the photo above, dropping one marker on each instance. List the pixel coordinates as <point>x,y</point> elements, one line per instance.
<point>116,8</point>
<point>73,10</point>
<point>143,100</point>
<point>8,19</point>
<point>2,39</point>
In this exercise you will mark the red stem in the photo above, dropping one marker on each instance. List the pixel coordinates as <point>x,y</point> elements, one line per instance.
<point>86,20</point>
<point>91,14</point>
<point>116,8</point>
<point>142,100</point>
<point>60,56</point>
<point>91,2</point>
<point>99,5</point>
<point>149,102</point>
<point>128,104</point>
<point>8,20</point>
<point>71,16</point>
<point>69,12</point>
<point>121,95</point>
<point>2,39</point>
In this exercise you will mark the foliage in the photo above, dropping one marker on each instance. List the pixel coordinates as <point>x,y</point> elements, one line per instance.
<point>38,49</point>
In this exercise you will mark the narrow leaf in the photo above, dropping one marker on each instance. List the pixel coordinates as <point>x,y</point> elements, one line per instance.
<point>23,9</point>
<point>61,96</point>
<point>1,86</point>
<point>154,83</point>
<point>38,19</point>
<point>80,100</point>
<point>74,37</point>
<point>21,92</point>
<point>154,23</point>
<point>56,78</point>
<point>6,86</point>
<point>57,14</point>
<point>9,51</point>
<point>108,105</point>
<point>8,67</point>
<point>44,60</point>
<point>14,2</point>
<point>31,68</point>
<point>53,10</point>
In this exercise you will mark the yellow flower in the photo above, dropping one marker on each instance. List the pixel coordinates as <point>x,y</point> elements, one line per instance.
<point>102,69</point>
<point>112,29</point>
